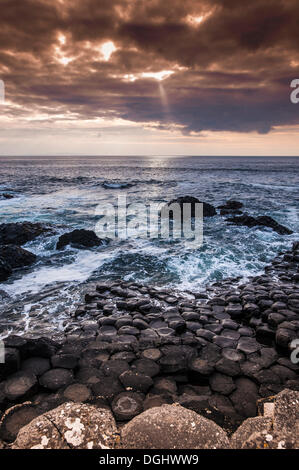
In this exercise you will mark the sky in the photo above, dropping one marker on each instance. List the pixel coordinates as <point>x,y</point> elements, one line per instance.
<point>149,77</point>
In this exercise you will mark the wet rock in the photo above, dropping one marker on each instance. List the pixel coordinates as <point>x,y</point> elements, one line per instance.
<point>77,393</point>
<point>124,356</point>
<point>233,355</point>
<point>126,405</point>
<point>152,354</point>
<point>152,401</point>
<point>135,381</point>
<point>21,384</point>
<point>16,257</point>
<point>231,206</point>
<point>228,367</point>
<point>15,418</point>
<point>234,310</point>
<point>200,368</point>
<point>146,367</point>
<point>262,221</point>
<point>80,238</point>
<point>5,270</point>
<point>206,334</point>
<point>194,402</point>
<point>64,361</point>
<point>36,365</point>
<point>222,383</point>
<point>70,426</point>
<point>114,367</point>
<point>165,385</point>
<point>56,378</point>
<point>248,345</point>
<point>208,209</point>
<point>245,396</point>
<point>284,337</point>
<point>41,347</point>
<point>22,232</point>
<point>172,427</point>
<point>11,364</point>
<point>107,388</point>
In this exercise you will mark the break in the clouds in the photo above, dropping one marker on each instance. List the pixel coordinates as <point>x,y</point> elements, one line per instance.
<point>188,68</point>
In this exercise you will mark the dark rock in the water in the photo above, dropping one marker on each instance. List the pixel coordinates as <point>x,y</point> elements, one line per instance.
<point>5,270</point>
<point>262,221</point>
<point>6,196</point>
<point>232,205</point>
<point>19,385</point>
<point>267,221</point>
<point>16,257</point>
<point>231,208</point>
<point>126,405</point>
<point>80,238</point>
<point>22,232</point>
<point>208,209</point>
<point>56,378</point>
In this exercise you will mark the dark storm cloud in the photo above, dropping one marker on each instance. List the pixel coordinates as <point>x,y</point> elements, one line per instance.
<point>232,71</point>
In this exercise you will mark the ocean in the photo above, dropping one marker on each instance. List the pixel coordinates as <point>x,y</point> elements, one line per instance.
<point>65,192</point>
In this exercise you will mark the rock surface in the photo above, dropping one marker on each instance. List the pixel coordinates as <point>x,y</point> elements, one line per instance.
<point>70,426</point>
<point>208,209</point>
<point>16,257</point>
<point>262,221</point>
<point>22,232</point>
<point>79,239</point>
<point>172,427</point>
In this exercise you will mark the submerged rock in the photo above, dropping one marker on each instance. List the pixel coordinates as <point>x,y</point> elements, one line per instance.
<point>232,205</point>
<point>5,270</point>
<point>16,257</point>
<point>22,232</point>
<point>208,209</point>
<point>80,238</point>
<point>262,221</point>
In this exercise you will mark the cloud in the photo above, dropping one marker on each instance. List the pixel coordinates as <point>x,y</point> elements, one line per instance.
<point>232,68</point>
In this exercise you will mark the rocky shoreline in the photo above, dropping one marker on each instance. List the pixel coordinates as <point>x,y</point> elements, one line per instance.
<point>131,348</point>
